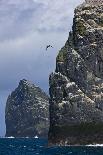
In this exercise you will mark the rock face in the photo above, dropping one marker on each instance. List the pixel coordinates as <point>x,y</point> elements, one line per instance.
<point>94,2</point>
<point>76,86</point>
<point>27,111</point>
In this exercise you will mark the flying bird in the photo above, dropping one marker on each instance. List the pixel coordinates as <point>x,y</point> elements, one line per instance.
<point>48,47</point>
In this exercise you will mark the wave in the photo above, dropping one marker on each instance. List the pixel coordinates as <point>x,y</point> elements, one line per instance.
<point>10,137</point>
<point>95,145</point>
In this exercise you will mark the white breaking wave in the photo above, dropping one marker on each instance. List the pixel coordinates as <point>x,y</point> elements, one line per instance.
<point>36,137</point>
<point>95,145</point>
<point>10,137</point>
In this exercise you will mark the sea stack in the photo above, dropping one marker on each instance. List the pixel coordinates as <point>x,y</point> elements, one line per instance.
<point>27,111</point>
<point>76,86</point>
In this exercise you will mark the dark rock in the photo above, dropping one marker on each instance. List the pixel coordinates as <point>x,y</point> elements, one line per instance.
<point>76,87</point>
<point>27,111</point>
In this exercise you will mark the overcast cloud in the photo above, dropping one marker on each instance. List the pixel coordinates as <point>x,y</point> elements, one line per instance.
<point>26,27</point>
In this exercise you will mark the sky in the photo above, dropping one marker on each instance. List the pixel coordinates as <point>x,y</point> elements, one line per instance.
<point>26,27</point>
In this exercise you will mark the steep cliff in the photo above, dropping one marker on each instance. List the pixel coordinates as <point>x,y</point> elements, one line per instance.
<point>76,86</point>
<point>27,111</point>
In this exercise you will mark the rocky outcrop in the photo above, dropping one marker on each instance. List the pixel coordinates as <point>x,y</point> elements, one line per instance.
<point>76,87</point>
<point>27,111</point>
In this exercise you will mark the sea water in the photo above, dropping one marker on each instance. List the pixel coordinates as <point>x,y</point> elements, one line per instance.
<point>27,146</point>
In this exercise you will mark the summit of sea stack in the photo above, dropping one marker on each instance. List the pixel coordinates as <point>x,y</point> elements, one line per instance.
<point>94,2</point>
<point>27,111</point>
<point>76,86</point>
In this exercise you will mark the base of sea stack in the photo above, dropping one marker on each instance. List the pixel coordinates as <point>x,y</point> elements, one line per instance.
<point>82,134</point>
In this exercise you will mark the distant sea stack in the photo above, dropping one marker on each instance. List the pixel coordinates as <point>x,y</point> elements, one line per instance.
<point>27,111</point>
<point>76,86</point>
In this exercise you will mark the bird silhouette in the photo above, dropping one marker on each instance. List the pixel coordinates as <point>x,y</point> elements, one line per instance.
<point>48,47</point>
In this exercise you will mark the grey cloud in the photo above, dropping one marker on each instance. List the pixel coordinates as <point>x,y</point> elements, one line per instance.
<point>21,17</point>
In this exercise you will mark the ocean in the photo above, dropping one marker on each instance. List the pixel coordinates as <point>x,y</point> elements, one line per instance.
<point>27,146</point>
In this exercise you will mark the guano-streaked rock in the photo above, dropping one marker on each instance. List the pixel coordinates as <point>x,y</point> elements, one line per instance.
<point>76,86</point>
<point>27,111</point>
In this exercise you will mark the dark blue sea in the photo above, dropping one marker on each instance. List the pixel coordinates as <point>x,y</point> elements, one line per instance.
<point>39,147</point>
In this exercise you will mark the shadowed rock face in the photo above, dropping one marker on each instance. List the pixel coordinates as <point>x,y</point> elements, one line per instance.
<point>76,86</point>
<point>27,111</point>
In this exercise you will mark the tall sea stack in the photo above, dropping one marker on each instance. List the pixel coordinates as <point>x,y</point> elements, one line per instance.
<point>76,86</point>
<point>27,111</point>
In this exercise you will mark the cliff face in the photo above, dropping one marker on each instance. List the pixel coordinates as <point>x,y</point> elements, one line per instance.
<point>76,87</point>
<point>27,111</point>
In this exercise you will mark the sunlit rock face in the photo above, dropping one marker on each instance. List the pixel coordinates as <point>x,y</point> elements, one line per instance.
<point>76,86</point>
<point>94,2</point>
<point>27,111</point>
